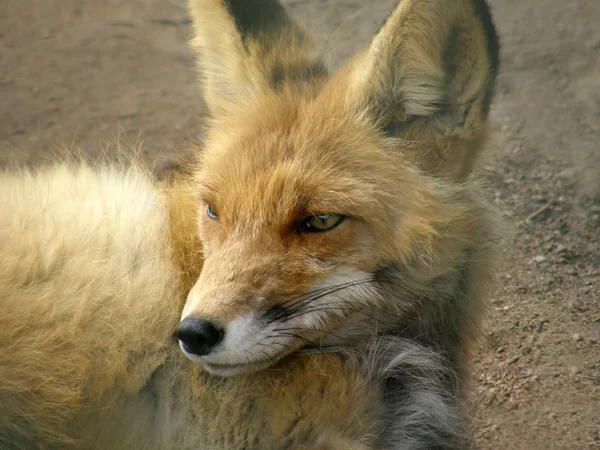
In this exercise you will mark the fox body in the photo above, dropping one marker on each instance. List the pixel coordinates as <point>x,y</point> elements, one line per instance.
<point>322,263</point>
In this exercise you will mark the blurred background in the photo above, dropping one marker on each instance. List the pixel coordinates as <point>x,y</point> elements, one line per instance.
<point>83,74</point>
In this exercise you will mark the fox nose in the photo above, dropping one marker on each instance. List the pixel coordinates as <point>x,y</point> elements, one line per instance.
<point>198,336</point>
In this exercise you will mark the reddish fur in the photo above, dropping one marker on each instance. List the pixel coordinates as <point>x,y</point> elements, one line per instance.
<point>95,269</point>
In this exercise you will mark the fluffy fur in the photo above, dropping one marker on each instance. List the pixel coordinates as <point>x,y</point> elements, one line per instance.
<point>91,297</point>
<point>356,337</point>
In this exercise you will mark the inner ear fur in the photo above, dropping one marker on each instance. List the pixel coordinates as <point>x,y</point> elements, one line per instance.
<point>428,78</point>
<point>248,48</point>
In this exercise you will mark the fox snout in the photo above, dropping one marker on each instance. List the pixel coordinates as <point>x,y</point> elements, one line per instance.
<point>242,319</point>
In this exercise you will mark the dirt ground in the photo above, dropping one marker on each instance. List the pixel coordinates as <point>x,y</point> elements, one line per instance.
<point>81,73</point>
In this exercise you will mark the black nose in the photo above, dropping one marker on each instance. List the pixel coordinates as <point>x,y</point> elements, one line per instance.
<point>198,336</point>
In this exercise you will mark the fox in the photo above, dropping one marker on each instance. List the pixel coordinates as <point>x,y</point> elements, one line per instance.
<point>313,279</point>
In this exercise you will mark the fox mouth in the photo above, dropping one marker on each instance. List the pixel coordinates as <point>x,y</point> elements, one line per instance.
<point>231,369</point>
<point>228,370</point>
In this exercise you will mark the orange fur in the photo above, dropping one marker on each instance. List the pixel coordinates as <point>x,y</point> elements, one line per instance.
<point>348,338</point>
<point>388,142</point>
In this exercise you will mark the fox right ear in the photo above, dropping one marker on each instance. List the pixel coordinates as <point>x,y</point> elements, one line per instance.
<point>246,48</point>
<point>428,78</point>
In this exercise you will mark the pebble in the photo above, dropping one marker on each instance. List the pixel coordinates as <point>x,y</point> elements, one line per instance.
<point>540,325</point>
<point>560,248</point>
<point>539,258</point>
<point>567,174</point>
<point>577,337</point>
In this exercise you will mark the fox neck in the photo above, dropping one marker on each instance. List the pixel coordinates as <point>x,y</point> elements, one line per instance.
<point>409,308</point>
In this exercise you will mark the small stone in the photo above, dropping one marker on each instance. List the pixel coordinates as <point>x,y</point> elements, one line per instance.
<point>567,174</point>
<point>539,258</point>
<point>574,370</point>
<point>577,337</point>
<point>526,350</point>
<point>560,249</point>
<point>512,360</point>
<point>540,325</point>
<point>500,350</point>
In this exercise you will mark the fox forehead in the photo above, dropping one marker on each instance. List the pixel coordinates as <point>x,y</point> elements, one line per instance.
<point>295,156</point>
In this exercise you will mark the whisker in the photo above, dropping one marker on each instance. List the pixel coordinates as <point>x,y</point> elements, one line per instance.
<point>296,336</point>
<point>333,289</point>
<point>286,306</point>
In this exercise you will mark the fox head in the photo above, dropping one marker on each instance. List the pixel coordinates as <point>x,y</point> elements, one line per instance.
<point>312,188</point>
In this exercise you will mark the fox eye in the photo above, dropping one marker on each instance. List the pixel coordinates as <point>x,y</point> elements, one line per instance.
<point>210,212</point>
<point>321,222</point>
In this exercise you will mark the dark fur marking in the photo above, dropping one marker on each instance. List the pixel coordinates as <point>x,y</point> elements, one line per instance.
<point>258,19</point>
<point>254,17</point>
<point>386,273</point>
<point>482,11</point>
<point>443,335</point>
<point>449,59</point>
<point>451,62</point>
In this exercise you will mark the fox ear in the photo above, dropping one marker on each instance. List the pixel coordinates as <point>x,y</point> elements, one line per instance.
<point>246,48</point>
<point>428,77</point>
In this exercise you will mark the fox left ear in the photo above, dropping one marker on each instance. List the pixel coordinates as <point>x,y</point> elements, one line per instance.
<point>428,78</point>
<point>248,48</point>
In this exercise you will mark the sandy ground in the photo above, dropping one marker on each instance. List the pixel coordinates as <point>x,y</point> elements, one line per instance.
<point>82,73</point>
